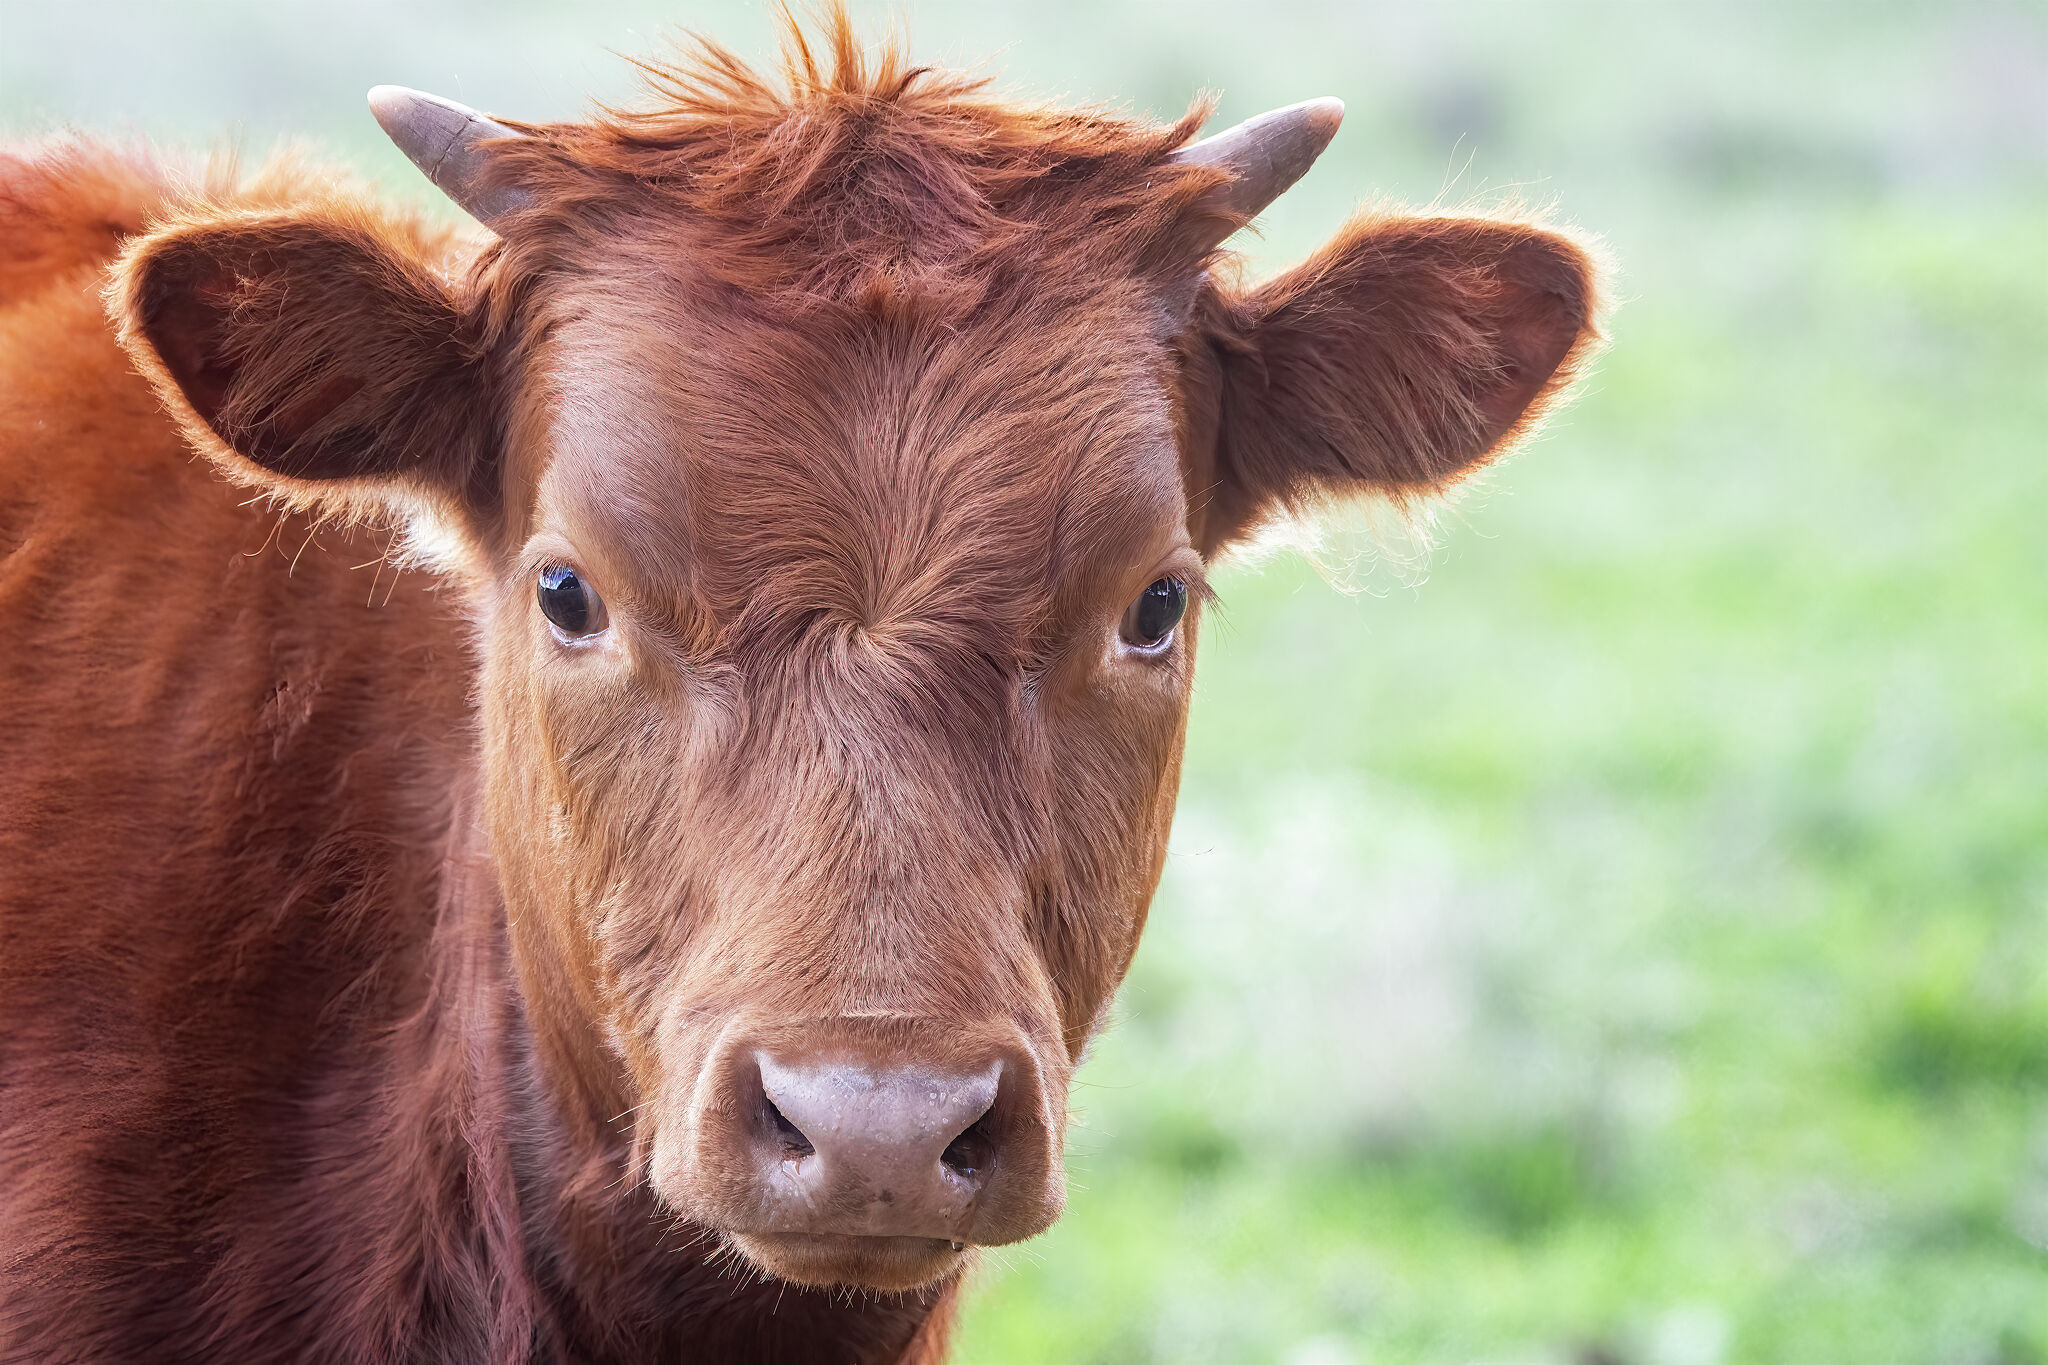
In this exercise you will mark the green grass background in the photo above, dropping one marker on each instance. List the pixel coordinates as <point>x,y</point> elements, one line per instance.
<point>1621,933</point>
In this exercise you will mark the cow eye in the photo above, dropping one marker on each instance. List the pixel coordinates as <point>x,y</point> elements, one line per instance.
<point>1148,622</point>
<point>568,601</point>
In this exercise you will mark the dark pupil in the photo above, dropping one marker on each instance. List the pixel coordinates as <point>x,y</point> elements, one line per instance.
<point>562,599</point>
<point>1157,611</point>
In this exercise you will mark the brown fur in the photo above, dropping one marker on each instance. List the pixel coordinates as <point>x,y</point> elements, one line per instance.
<point>363,951</point>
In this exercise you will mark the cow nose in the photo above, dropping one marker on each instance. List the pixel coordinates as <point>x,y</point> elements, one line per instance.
<point>878,1151</point>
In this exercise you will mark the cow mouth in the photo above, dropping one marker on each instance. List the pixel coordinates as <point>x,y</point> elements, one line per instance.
<point>885,1264</point>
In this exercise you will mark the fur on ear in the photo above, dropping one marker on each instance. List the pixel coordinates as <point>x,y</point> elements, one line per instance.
<point>1406,353</point>
<point>314,354</point>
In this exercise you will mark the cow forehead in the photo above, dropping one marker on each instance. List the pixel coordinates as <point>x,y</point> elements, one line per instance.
<point>874,454</point>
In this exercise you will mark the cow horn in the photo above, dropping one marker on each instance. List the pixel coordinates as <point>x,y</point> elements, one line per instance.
<point>441,137</point>
<point>1266,154</point>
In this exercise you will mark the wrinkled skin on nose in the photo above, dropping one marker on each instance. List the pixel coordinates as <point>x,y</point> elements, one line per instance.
<point>868,1152</point>
<point>903,1166</point>
<point>838,1147</point>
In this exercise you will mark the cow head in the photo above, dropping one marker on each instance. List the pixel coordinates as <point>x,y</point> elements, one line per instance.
<point>834,471</point>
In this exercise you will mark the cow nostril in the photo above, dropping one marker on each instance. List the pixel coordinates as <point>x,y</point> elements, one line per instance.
<point>794,1143</point>
<point>969,1154</point>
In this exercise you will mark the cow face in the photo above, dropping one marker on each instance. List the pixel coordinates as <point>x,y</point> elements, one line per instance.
<point>834,480</point>
<point>845,770</point>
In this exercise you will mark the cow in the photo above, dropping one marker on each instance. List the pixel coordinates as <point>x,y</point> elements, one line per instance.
<point>664,921</point>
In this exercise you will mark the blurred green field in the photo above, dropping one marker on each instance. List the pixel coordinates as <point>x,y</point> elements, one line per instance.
<point>1620,935</point>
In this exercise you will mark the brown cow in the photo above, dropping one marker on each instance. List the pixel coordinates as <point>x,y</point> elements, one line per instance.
<point>687,904</point>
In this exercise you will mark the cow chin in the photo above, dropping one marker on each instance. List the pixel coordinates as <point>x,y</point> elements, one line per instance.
<point>885,1265</point>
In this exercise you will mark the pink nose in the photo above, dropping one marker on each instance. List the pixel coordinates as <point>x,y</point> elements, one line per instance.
<point>880,1152</point>
<point>850,1151</point>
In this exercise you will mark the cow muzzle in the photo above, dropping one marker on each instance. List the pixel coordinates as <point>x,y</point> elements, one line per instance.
<point>830,1156</point>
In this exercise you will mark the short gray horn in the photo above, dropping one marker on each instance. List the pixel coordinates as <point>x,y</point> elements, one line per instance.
<point>1266,154</point>
<point>442,138</point>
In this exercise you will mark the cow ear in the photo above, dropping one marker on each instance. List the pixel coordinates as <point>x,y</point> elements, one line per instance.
<point>314,355</point>
<point>1406,353</point>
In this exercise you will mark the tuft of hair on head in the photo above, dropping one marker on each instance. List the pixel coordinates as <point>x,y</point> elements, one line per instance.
<point>846,162</point>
